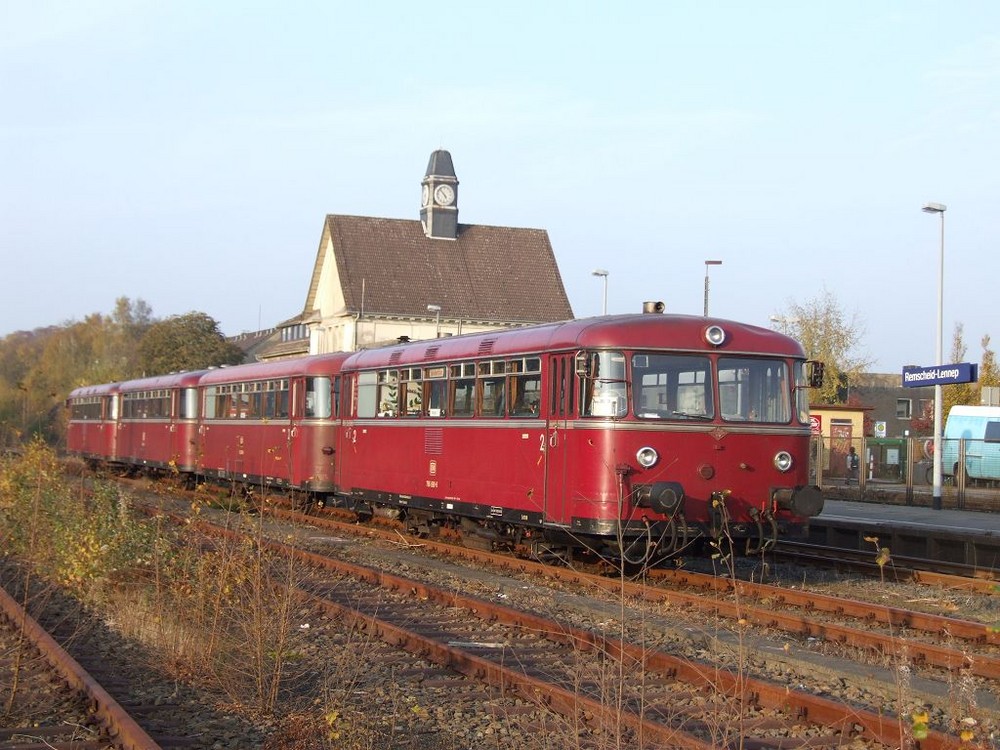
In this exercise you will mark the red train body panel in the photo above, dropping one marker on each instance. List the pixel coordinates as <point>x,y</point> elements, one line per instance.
<point>626,435</point>
<point>92,431</point>
<point>158,422</point>
<point>272,423</point>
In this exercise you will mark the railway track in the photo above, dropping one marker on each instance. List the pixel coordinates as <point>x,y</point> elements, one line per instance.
<point>900,568</point>
<point>51,700</point>
<point>458,640</point>
<point>665,699</point>
<point>947,643</point>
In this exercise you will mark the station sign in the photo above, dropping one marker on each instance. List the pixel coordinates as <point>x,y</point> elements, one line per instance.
<point>962,372</point>
<point>815,424</point>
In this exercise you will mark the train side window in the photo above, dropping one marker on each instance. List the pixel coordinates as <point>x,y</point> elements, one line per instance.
<point>367,395</point>
<point>318,401</point>
<point>388,393</point>
<point>524,387</point>
<point>604,385</point>
<point>188,403</point>
<point>463,390</point>
<point>490,389</point>
<point>802,392</point>
<point>336,396</point>
<point>413,391</point>
<point>436,391</point>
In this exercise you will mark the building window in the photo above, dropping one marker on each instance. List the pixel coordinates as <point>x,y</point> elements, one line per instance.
<point>295,332</point>
<point>904,408</point>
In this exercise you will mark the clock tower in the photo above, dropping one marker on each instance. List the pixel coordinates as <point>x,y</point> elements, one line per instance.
<point>439,198</point>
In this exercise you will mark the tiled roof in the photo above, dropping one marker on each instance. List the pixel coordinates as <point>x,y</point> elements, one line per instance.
<point>487,274</point>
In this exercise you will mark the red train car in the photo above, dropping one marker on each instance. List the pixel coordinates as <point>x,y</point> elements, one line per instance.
<point>92,427</point>
<point>628,435</point>
<point>158,422</point>
<point>272,423</point>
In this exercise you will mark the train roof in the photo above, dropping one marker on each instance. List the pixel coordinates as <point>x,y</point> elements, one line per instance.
<point>187,378</point>
<point>104,389</point>
<point>646,331</point>
<point>320,364</point>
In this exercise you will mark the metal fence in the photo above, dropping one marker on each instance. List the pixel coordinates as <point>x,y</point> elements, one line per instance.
<point>901,470</point>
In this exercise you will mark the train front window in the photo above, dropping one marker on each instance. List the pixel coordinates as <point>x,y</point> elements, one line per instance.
<point>754,390</point>
<point>802,392</point>
<point>672,386</point>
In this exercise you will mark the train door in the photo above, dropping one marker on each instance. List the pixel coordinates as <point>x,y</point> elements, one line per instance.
<point>300,402</point>
<point>560,408</point>
<point>840,444</point>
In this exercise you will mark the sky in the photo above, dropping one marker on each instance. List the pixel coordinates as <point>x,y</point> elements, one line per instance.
<point>185,153</point>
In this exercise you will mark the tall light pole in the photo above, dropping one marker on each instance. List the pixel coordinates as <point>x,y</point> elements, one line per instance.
<point>707,264</point>
<point>603,274</point>
<point>436,309</point>
<point>938,208</point>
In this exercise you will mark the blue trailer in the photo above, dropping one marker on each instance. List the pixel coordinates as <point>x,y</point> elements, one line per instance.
<point>979,428</point>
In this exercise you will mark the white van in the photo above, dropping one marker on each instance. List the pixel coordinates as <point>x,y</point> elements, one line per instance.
<point>979,427</point>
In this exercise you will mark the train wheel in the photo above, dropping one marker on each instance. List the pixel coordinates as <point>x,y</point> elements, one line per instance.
<point>550,554</point>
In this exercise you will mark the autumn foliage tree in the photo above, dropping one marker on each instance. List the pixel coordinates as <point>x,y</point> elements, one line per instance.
<point>958,393</point>
<point>39,368</point>
<point>827,334</point>
<point>186,342</point>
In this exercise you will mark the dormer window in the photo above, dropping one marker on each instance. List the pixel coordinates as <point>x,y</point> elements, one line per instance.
<point>296,332</point>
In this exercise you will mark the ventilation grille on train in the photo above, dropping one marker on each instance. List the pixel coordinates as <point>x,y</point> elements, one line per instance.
<point>486,346</point>
<point>431,352</point>
<point>395,357</point>
<point>434,441</point>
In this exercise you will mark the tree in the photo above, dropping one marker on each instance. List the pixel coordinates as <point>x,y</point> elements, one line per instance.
<point>957,393</point>
<point>185,342</point>
<point>828,335</point>
<point>989,373</point>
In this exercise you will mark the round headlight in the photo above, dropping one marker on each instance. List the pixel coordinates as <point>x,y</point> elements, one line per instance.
<point>714,335</point>
<point>647,456</point>
<point>782,460</point>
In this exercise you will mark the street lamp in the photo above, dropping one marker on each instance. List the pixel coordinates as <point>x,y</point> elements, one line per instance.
<point>785,323</point>
<point>436,309</point>
<point>604,275</point>
<point>707,264</point>
<point>938,208</point>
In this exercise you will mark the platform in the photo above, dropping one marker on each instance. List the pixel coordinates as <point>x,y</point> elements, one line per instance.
<point>956,536</point>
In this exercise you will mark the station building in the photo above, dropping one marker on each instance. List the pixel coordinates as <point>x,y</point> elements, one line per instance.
<point>377,281</point>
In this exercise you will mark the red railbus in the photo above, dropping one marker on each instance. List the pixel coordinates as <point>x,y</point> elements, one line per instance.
<point>630,436</point>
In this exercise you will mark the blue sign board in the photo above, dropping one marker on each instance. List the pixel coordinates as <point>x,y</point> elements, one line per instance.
<point>918,377</point>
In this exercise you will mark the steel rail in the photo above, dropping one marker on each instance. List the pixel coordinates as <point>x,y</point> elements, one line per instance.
<point>901,567</point>
<point>122,729</point>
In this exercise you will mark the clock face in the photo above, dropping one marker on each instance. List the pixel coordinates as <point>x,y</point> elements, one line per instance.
<point>444,195</point>
<point>425,196</point>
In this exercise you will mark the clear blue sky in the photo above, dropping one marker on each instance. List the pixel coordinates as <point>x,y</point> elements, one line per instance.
<point>185,153</point>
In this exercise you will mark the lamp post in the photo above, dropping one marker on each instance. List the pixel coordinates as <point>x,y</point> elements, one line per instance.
<point>436,309</point>
<point>604,275</point>
<point>707,264</point>
<point>785,323</point>
<point>938,208</point>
